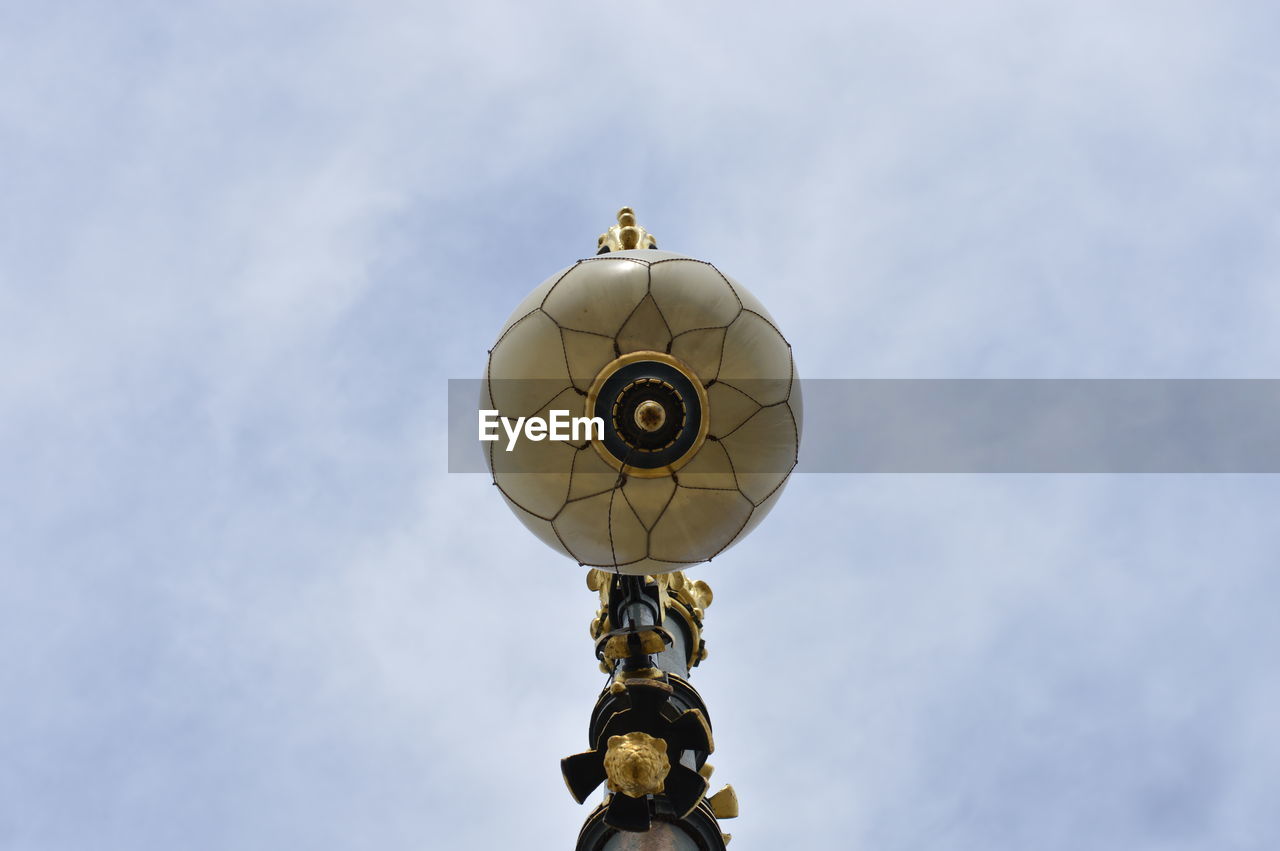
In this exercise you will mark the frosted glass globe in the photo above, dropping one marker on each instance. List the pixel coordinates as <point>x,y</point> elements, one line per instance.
<point>697,391</point>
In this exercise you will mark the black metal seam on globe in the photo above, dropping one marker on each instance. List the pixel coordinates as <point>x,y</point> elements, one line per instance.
<point>671,450</point>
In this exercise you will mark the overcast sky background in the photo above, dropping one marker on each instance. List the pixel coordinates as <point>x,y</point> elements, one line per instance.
<point>244,245</point>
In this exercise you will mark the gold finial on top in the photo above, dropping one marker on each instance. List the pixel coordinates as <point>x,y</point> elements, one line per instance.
<point>625,235</point>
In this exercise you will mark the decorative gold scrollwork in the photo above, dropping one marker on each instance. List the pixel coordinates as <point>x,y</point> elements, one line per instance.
<point>677,594</point>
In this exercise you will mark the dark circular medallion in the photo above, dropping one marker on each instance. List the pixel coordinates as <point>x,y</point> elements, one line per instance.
<point>653,410</point>
<point>648,414</point>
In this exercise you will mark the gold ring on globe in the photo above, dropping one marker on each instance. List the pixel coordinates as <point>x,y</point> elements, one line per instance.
<point>704,420</point>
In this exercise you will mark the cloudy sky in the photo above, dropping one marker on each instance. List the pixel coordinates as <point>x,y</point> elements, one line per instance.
<point>243,246</point>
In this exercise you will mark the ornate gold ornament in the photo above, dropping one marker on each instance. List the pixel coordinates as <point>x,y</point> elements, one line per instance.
<point>636,764</point>
<point>688,599</point>
<point>626,234</point>
<point>724,803</point>
<point>696,596</point>
<point>619,647</point>
<point>620,681</point>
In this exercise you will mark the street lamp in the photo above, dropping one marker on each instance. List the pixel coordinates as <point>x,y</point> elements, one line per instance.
<point>687,396</point>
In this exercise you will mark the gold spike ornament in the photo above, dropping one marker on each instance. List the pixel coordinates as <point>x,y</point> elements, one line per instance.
<point>625,235</point>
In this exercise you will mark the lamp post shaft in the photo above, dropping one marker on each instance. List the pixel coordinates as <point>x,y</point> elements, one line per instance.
<point>650,731</point>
